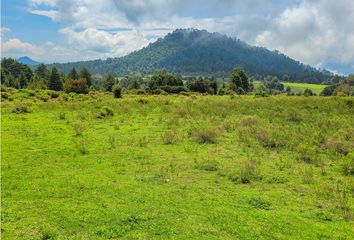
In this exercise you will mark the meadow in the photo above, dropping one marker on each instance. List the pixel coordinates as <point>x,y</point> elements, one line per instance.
<point>176,167</point>
<point>298,87</point>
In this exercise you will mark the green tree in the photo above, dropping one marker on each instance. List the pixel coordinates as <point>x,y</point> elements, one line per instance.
<point>73,74</point>
<point>239,81</point>
<point>109,82</point>
<point>84,73</point>
<point>42,72</point>
<point>54,80</point>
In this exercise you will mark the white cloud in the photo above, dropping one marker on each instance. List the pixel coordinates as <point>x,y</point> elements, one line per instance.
<point>312,31</point>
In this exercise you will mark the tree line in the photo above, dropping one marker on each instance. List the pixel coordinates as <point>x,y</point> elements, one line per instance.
<point>18,75</point>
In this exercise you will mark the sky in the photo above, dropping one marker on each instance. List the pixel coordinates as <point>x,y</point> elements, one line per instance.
<point>316,32</point>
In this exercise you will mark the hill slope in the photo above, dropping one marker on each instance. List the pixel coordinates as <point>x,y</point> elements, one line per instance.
<point>198,52</point>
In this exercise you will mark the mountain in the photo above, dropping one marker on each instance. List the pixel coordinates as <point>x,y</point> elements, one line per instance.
<point>28,61</point>
<point>198,52</point>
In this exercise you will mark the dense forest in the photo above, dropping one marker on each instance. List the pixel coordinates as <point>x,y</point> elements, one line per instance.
<point>197,52</point>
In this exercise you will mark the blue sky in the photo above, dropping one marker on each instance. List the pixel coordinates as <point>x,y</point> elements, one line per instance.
<point>315,32</point>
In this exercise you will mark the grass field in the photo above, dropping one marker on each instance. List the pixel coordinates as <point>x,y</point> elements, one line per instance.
<point>177,167</point>
<point>300,87</point>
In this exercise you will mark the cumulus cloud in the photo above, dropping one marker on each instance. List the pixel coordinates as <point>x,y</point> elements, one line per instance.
<point>312,31</point>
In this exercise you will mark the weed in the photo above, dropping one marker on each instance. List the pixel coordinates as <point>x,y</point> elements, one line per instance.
<point>112,141</point>
<point>62,115</point>
<point>105,112</point>
<point>207,165</point>
<point>260,203</point>
<point>204,135</point>
<point>307,175</point>
<point>78,128</point>
<point>21,109</point>
<point>170,137</point>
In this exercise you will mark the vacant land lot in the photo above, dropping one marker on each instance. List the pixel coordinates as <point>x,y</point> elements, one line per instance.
<point>176,167</point>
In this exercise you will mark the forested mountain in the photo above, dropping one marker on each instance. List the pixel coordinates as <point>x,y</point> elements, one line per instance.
<point>198,52</point>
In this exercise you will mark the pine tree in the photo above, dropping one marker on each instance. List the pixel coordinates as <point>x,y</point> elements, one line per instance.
<point>73,74</point>
<point>54,81</point>
<point>84,73</point>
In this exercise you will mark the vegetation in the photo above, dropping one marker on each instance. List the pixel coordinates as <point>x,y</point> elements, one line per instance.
<point>90,166</point>
<point>194,52</point>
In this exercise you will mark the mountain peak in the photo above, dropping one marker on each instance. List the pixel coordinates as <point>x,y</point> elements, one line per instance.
<point>27,60</point>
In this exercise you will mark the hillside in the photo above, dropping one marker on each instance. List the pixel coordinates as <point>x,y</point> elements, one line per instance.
<point>198,52</point>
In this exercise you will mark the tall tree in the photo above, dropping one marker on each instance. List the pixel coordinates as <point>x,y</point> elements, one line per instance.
<point>54,80</point>
<point>73,74</point>
<point>109,82</point>
<point>239,81</point>
<point>42,72</point>
<point>84,73</point>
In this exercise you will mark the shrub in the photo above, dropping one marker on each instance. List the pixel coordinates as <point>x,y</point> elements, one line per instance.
<point>105,112</point>
<point>143,101</point>
<point>264,138</point>
<point>249,121</point>
<point>348,165</point>
<point>76,86</point>
<point>261,93</point>
<point>246,173</point>
<point>306,153</point>
<point>117,91</point>
<point>337,145</point>
<point>78,128</point>
<point>207,165</point>
<point>259,203</point>
<point>21,109</point>
<point>307,175</point>
<point>62,115</point>
<point>43,96</point>
<point>5,95</point>
<point>204,134</point>
<point>170,137</point>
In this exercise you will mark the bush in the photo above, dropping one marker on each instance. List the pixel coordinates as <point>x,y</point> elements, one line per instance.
<point>246,173</point>
<point>105,112</point>
<point>5,95</point>
<point>337,145</point>
<point>143,101</point>
<point>43,96</point>
<point>348,165</point>
<point>204,135</point>
<point>261,93</point>
<point>259,203</point>
<point>306,153</point>
<point>21,109</point>
<point>170,137</point>
<point>76,86</point>
<point>78,128</point>
<point>207,165</point>
<point>117,91</point>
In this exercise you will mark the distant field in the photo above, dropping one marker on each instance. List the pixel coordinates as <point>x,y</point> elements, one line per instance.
<point>300,87</point>
<point>176,167</point>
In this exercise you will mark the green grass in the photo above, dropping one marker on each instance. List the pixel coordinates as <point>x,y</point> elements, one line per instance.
<point>177,167</point>
<point>300,87</point>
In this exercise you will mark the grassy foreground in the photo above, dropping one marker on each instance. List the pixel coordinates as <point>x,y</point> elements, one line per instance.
<point>177,167</point>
